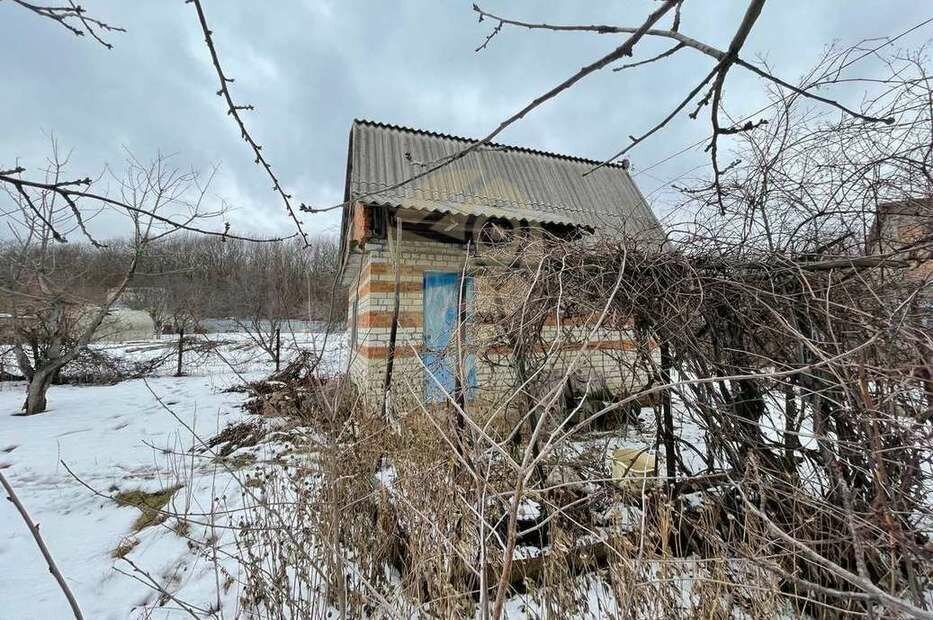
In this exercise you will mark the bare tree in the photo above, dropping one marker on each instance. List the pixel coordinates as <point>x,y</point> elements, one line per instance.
<point>53,321</point>
<point>279,285</point>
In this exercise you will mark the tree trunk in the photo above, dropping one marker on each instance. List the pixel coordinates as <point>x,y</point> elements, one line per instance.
<point>38,387</point>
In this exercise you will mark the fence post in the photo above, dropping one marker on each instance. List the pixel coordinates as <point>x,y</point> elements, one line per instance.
<point>181,350</point>
<point>278,347</point>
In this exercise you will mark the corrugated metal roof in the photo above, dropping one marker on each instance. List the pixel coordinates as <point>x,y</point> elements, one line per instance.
<point>495,180</point>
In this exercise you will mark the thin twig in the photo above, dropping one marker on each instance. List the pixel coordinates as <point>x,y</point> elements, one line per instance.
<point>62,15</point>
<point>234,110</point>
<point>34,530</point>
<point>63,190</point>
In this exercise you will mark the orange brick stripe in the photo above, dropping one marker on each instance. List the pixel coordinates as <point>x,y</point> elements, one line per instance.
<point>607,345</point>
<point>595,345</point>
<point>378,352</point>
<point>384,319</point>
<point>371,353</point>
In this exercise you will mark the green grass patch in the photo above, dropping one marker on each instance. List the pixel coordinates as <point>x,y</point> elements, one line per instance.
<point>150,504</point>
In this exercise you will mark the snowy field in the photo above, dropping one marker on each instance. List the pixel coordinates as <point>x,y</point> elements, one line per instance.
<point>132,436</point>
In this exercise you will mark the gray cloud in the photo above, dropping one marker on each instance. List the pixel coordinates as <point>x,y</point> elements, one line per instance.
<point>310,67</point>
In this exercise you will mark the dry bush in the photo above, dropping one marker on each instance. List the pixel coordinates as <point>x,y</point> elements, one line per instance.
<point>791,357</point>
<point>94,367</point>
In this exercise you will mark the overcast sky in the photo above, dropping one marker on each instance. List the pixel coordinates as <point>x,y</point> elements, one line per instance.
<point>311,66</point>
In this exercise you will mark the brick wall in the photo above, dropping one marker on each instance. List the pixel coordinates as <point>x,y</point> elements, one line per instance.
<point>373,291</point>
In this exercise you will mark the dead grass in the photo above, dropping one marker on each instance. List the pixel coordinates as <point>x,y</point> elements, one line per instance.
<point>244,459</point>
<point>126,545</point>
<point>150,505</point>
<point>234,436</point>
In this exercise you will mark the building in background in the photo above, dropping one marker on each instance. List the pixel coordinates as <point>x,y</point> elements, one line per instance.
<point>124,325</point>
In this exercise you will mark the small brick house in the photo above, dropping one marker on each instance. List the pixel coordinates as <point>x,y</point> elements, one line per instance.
<point>434,230</point>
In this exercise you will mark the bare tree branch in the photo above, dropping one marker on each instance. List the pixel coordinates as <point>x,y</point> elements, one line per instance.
<point>892,602</point>
<point>66,16</point>
<point>34,530</point>
<point>724,60</point>
<point>234,110</point>
<point>619,52</point>
<point>64,190</point>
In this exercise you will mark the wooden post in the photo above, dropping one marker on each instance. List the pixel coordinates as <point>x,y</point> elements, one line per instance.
<point>278,347</point>
<point>393,330</point>
<point>460,378</point>
<point>181,350</point>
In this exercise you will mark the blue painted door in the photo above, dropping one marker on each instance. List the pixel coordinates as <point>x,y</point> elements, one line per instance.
<point>441,312</point>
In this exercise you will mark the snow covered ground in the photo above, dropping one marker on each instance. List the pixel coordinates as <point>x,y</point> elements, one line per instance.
<point>115,439</point>
<point>140,435</point>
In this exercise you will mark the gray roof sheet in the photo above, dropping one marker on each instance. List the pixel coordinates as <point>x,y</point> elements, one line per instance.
<point>494,181</point>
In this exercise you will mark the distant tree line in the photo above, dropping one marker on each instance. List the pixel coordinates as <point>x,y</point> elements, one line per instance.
<point>188,278</point>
